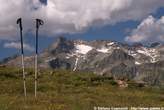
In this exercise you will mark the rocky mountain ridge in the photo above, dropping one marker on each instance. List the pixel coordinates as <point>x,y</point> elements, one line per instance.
<point>103,57</point>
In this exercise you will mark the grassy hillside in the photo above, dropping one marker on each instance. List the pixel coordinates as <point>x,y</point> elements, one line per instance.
<point>66,90</point>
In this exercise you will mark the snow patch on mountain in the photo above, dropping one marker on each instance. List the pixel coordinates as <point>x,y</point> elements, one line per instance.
<point>132,53</point>
<point>67,57</point>
<point>80,51</point>
<point>76,63</point>
<point>111,43</point>
<point>83,49</point>
<point>137,63</point>
<point>50,59</point>
<point>106,49</point>
<point>152,53</point>
<point>103,50</point>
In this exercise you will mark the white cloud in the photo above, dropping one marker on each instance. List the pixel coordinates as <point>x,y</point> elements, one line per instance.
<point>17,45</point>
<point>150,30</point>
<point>70,16</point>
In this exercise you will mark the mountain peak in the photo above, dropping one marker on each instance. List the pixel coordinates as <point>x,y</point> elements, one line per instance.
<point>61,45</point>
<point>155,44</point>
<point>61,39</point>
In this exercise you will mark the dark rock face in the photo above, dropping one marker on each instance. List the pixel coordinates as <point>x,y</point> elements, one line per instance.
<point>59,64</point>
<point>152,73</point>
<point>62,45</point>
<point>136,45</point>
<point>120,55</point>
<point>5,60</point>
<point>124,71</point>
<point>155,44</point>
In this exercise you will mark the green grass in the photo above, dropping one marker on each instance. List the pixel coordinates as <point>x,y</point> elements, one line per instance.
<point>67,90</point>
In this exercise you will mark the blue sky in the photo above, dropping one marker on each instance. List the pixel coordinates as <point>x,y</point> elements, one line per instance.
<point>116,31</point>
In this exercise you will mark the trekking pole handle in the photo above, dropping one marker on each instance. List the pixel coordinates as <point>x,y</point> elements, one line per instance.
<point>19,21</point>
<point>38,23</point>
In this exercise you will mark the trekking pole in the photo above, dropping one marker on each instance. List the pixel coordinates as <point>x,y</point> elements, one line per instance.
<point>19,21</point>
<point>38,23</point>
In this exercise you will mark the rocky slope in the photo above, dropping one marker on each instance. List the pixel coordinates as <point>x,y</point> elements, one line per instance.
<point>104,57</point>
